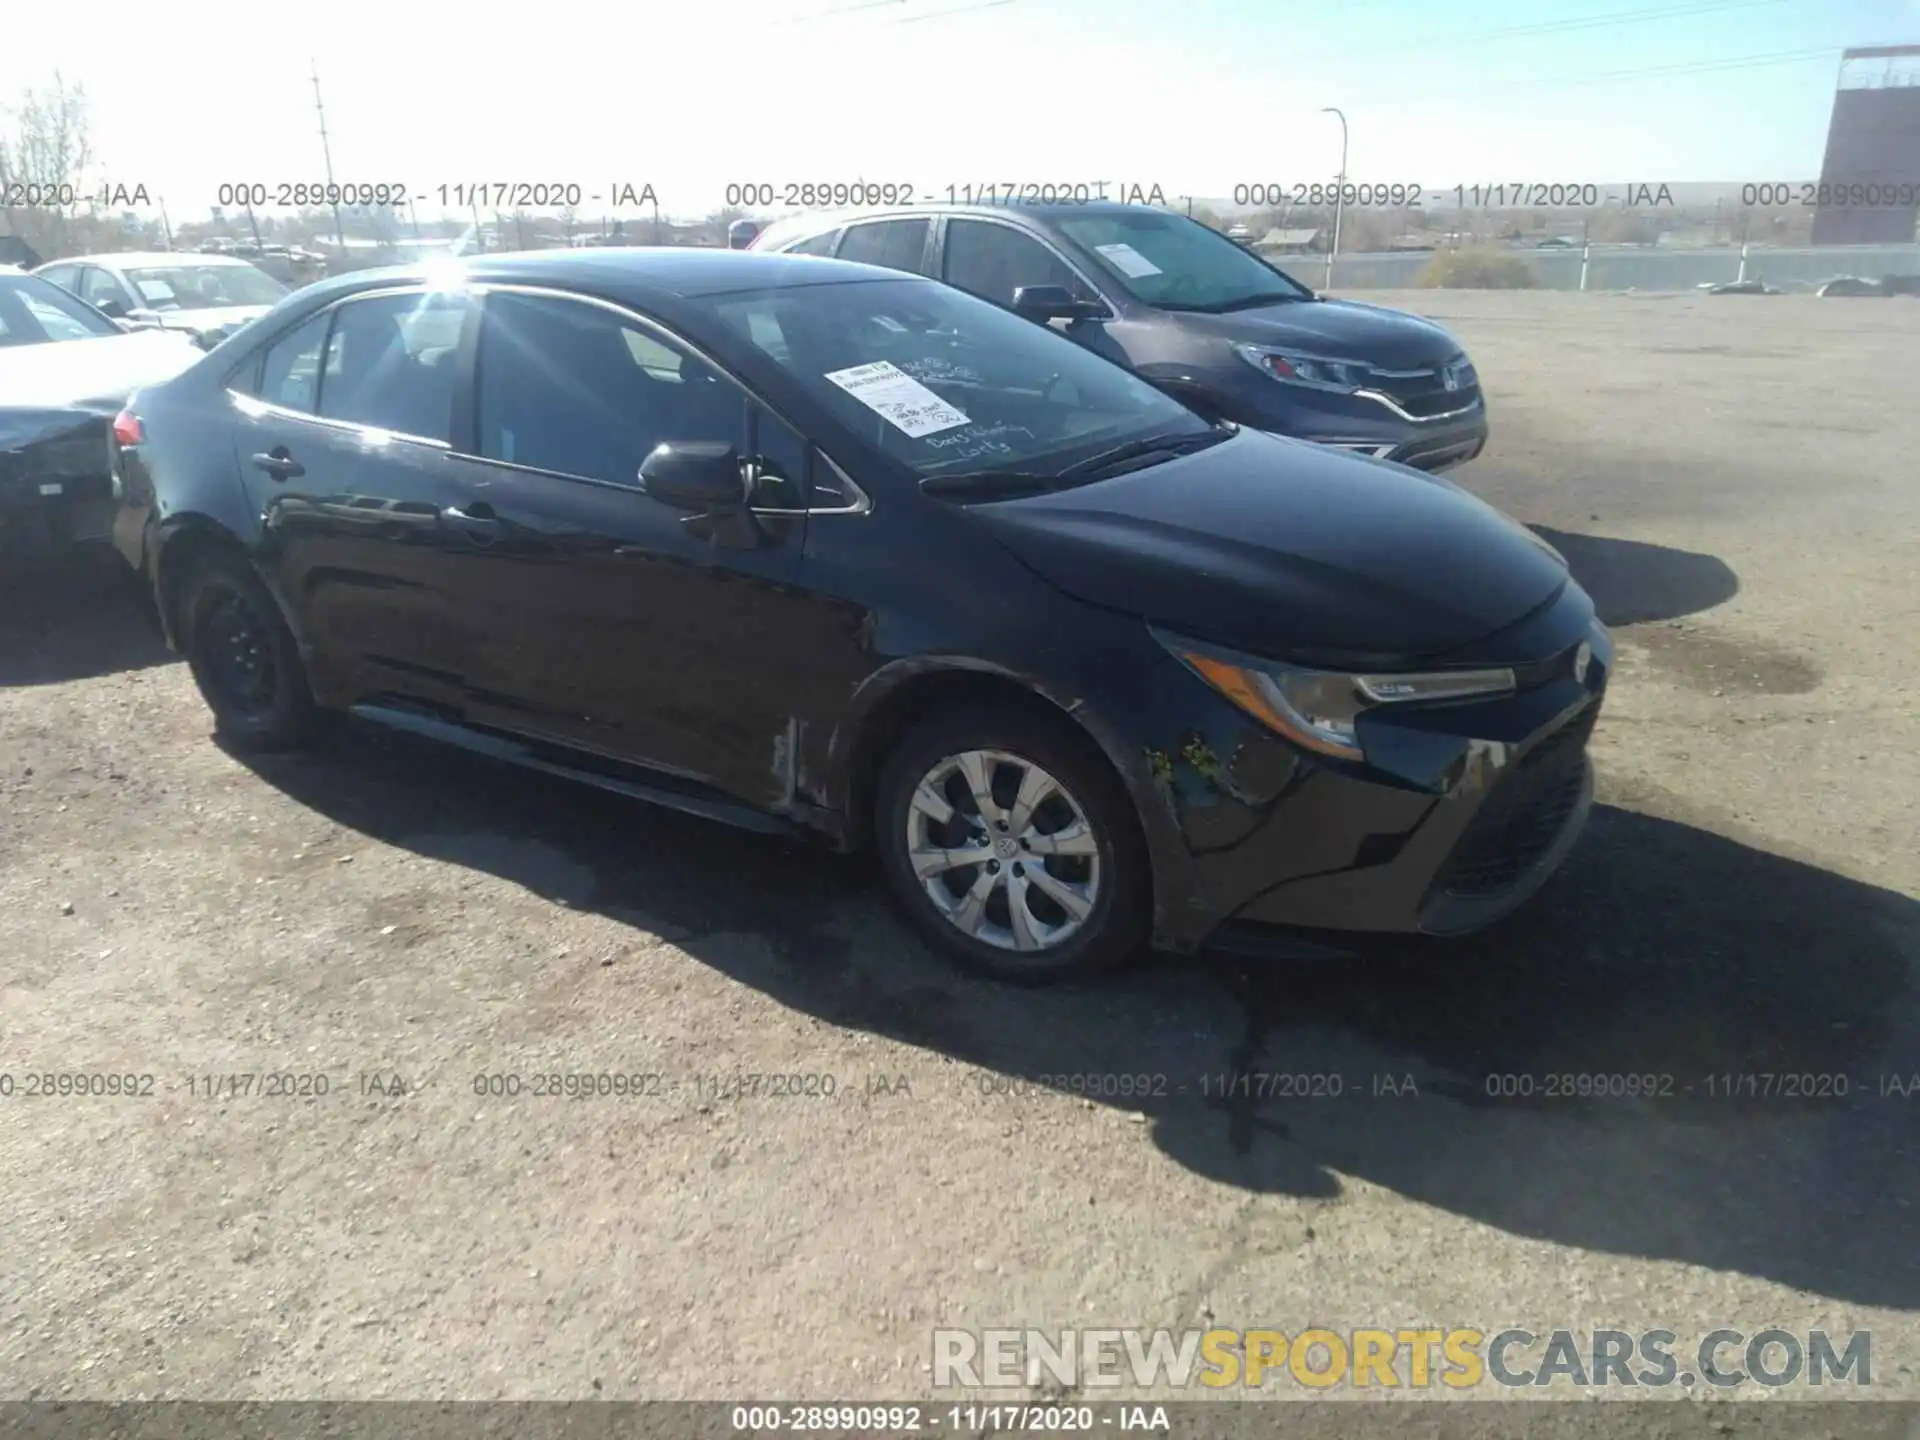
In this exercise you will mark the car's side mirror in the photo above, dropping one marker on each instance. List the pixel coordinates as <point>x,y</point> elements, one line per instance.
<point>701,475</point>
<point>1054,302</point>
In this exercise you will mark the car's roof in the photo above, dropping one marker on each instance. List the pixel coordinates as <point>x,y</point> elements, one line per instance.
<point>653,271</point>
<point>814,221</point>
<point>122,259</point>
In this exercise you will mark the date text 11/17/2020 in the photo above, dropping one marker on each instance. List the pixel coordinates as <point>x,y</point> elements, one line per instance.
<point>1408,195</point>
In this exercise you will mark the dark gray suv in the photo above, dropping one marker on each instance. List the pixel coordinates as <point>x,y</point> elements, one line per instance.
<point>1191,311</point>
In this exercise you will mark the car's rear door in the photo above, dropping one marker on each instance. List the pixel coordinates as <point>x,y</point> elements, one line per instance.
<point>902,243</point>
<point>602,618</point>
<point>342,438</point>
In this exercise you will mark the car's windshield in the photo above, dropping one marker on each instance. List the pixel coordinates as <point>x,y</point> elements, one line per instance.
<point>203,287</point>
<point>948,383</point>
<point>34,311</point>
<point>1177,263</point>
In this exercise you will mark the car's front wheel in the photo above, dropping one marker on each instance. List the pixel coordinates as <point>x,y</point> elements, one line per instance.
<point>245,659</point>
<point>1012,845</point>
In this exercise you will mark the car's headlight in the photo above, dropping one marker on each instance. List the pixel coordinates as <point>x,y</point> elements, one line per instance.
<point>1320,709</point>
<point>1315,372</point>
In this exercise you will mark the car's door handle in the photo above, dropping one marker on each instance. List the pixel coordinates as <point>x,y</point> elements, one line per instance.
<point>476,519</point>
<point>279,463</point>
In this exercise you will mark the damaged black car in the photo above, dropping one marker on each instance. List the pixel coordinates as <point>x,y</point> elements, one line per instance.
<point>816,547</point>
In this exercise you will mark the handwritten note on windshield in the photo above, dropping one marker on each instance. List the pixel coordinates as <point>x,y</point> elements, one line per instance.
<point>1129,261</point>
<point>897,398</point>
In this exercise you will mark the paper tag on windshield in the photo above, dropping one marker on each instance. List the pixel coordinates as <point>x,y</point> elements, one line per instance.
<point>1129,261</point>
<point>899,399</point>
<point>158,291</point>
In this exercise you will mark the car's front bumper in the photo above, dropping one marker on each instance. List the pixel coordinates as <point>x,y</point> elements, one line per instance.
<point>1460,813</point>
<point>1436,446</point>
<point>1368,426</point>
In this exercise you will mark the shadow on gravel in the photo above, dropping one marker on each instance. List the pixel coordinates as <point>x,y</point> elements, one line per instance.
<point>1632,582</point>
<point>1662,951</point>
<point>73,619</point>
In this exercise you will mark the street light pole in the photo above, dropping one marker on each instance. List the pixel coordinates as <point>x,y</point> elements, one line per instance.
<point>1339,194</point>
<point>326,153</point>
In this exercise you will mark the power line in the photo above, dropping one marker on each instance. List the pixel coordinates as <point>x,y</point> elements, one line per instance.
<point>1551,27</point>
<point>837,10</point>
<point>943,14</point>
<point>1609,77</point>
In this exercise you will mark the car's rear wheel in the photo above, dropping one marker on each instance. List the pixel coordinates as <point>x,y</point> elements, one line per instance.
<point>245,659</point>
<point>1011,844</point>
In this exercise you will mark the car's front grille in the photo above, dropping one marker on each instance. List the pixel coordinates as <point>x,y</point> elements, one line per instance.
<point>1424,393</point>
<point>1526,813</point>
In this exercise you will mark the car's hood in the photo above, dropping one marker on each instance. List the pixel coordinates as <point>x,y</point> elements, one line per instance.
<point>1288,551</point>
<point>214,318</point>
<point>1338,330</point>
<point>90,374</point>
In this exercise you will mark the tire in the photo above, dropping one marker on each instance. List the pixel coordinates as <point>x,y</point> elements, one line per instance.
<point>1094,906</point>
<point>244,658</point>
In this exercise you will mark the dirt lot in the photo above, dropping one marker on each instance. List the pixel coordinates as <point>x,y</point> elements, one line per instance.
<point>1733,478</point>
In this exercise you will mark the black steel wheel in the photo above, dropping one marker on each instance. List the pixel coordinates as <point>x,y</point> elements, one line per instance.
<point>245,659</point>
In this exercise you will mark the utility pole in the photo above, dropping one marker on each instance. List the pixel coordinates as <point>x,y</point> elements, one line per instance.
<point>326,152</point>
<point>166,226</point>
<point>1339,194</point>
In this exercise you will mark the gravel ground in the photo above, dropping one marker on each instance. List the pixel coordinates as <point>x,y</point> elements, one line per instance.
<point>1734,480</point>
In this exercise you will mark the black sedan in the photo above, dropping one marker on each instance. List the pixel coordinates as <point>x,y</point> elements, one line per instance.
<point>808,545</point>
<point>65,371</point>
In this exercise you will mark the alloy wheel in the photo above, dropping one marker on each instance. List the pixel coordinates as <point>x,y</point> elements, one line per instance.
<point>1003,850</point>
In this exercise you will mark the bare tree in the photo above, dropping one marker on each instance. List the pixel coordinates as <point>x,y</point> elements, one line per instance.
<point>43,161</point>
<point>715,229</point>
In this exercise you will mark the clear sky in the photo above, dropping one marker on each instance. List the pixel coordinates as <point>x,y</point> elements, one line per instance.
<point>1194,95</point>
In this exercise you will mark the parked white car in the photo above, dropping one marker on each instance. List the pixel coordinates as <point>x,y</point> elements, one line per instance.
<point>209,296</point>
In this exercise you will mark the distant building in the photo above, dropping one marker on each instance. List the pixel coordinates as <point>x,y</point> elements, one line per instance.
<point>1292,242</point>
<point>1872,164</point>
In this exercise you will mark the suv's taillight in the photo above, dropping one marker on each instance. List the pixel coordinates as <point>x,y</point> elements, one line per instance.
<point>127,429</point>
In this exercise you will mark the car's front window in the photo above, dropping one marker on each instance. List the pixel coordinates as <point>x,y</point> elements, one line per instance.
<point>1179,264</point>
<point>204,287</point>
<point>948,383</point>
<point>33,312</point>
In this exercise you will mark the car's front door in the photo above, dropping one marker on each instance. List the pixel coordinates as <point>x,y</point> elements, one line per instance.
<point>603,618</point>
<point>992,260</point>
<point>342,442</point>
